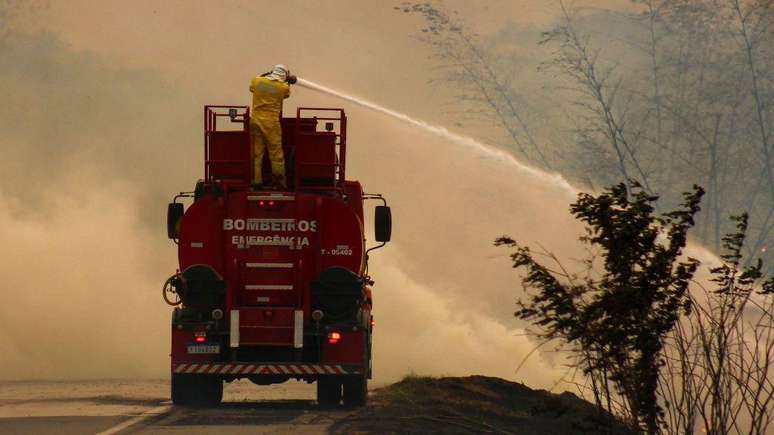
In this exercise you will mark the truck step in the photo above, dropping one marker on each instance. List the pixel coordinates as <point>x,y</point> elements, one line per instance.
<point>269,265</point>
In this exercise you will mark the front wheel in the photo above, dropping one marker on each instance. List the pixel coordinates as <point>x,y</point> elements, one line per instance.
<point>356,390</point>
<point>196,390</point>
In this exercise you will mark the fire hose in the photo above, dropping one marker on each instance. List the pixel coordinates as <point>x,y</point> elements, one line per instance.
<point>173,288</point>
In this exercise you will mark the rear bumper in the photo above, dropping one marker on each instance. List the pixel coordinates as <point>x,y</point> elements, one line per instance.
<point>303,370</point>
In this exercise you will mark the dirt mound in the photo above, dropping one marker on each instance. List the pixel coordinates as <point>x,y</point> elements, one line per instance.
<point>475,405</point>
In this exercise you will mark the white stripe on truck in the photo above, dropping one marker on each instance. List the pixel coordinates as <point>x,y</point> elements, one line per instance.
<point>234,336</point>
<point>298,331</point>
<point>268,287</point>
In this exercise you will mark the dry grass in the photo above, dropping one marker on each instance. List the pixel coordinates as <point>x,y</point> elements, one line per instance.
<point>475,405</point>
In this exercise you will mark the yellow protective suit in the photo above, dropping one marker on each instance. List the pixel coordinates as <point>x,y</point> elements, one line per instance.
<point>265,128</point>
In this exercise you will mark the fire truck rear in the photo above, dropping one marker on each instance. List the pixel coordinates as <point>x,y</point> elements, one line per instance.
<point>273,285</point>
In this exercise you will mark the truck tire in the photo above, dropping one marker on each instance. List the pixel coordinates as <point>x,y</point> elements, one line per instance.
<point>192,390</point>
<point>328,391</point>
<point>356,391</point>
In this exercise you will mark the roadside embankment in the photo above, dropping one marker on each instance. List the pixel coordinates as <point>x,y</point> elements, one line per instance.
<point>476,405</point>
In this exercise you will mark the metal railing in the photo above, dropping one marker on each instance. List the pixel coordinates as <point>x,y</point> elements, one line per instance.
<point>340,118</point>
<point>213,114</point>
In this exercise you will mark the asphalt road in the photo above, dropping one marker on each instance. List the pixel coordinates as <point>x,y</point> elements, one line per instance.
<point>121,407</point>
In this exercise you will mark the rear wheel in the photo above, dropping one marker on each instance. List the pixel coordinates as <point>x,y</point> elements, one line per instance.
<point>328,391</point>
<point>356,390</point>
<point>193,390</point>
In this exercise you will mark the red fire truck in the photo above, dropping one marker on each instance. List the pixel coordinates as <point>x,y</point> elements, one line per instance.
<point>273,285</point>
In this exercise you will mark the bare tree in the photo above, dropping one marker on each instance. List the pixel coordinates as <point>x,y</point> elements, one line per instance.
<point>674,93</point>
<point>600,90</point>
<point>755,25</point>
<point>704,107</point>
<point>719,363</point>
<point>470,68</point>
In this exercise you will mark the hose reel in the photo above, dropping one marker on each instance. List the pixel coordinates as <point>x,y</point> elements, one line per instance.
<point>199,287</point>
<point>172,289</point>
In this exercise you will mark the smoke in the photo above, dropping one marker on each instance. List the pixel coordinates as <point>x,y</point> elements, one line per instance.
<point>102,126</point>
<point>76,295</point>
<point>418,330</point>
<point>91,154</point>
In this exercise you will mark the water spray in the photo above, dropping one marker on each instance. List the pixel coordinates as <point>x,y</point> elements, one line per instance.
<point>480,147</point>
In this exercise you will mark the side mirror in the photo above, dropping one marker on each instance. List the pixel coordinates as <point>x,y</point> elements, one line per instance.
<point>175,212</point>
<point>383,223</point>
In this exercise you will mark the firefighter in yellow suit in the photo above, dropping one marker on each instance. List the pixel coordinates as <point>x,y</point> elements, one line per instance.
<point>269,91</point>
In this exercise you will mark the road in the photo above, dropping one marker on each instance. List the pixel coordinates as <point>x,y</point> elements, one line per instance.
<point>142,407</point>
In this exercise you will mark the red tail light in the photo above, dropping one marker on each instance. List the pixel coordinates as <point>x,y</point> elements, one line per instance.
<point>200,336</point>
<point>269,203</point>
<point>334,337</point>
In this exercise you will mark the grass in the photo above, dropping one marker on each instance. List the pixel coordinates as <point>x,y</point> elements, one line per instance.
<point>475,405</point>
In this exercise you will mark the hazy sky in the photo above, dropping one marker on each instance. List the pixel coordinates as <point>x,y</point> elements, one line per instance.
<point>366,47</point>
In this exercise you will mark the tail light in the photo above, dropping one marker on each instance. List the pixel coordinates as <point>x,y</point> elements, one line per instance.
<point>200,336</point>
<point>334,337</point>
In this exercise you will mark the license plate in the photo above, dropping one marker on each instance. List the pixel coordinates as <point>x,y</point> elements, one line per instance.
<point>203,348</point>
